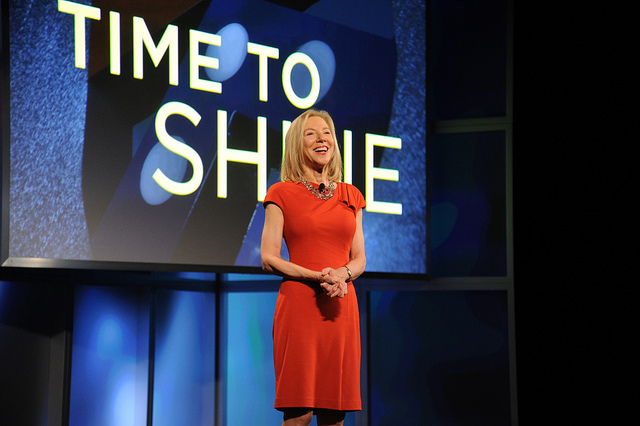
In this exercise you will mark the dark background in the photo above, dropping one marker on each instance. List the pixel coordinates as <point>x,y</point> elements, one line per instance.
<point>571,322</point>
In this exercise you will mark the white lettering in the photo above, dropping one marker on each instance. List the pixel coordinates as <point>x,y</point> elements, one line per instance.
<point>348,156</point>
<point>114,42</point>
<point>196,60</point>
<point>285,128</point>
<point>169,41</point>
<point>228,154</point>
<point>179,148</point>
<point>312,97</point>
<point>372,173</point>
<point>264,53</point>
<point>81,12</point>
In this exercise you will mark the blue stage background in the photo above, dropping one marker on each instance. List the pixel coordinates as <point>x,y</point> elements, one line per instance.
<point>195,348</point>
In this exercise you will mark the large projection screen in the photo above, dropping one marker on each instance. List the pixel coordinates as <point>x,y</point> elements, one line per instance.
<point>144,134</point>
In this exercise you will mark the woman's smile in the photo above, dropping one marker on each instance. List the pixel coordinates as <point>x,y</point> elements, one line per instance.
<point>318,142</point>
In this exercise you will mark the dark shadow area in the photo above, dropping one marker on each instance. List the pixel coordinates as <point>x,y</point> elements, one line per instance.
<point>570,313</point>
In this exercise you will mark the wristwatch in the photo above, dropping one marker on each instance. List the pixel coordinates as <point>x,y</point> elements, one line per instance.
<point>348,272</point>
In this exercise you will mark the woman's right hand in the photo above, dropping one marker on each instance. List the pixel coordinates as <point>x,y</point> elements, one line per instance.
<point>332,283</point>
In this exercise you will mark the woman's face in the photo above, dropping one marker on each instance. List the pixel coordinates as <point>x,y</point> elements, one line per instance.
<point>318,143</point>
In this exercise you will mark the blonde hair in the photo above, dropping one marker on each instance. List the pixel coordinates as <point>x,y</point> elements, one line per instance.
<point>293,160</point>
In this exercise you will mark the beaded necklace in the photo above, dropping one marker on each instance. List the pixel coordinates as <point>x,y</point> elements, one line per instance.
<point>325,194</point>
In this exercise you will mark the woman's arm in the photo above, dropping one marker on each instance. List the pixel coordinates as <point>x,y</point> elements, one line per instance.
<point>357,260</point>
<point>272,244</point>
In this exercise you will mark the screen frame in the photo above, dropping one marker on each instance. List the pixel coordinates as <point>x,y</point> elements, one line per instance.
<point>8,262</point>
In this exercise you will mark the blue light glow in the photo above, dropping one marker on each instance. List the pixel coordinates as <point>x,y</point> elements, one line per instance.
<point>109,336</point>
<point>172,165</point>
<point>324,59</point>
<point>109,368</point>
<point>184,379</point>
<point>123,393</point>
<point>231,52</point>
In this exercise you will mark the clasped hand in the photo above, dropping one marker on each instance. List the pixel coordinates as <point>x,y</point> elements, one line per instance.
<point>332,283</point>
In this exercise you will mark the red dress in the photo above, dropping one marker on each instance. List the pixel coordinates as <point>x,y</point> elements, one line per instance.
<point>316,338</point>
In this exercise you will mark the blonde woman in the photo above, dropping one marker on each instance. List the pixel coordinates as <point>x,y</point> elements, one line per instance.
<point>316,333</point>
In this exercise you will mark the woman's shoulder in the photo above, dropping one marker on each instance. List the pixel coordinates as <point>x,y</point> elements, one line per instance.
<point>282,186</point>
<point>279,190</point>
<point>349,187</point>
<point>351,195</point>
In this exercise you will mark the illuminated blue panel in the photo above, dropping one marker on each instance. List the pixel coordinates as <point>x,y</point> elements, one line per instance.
<point>184,371</point>
<point>250,379</point>
<point>440,356</point>
<point>109,371</point>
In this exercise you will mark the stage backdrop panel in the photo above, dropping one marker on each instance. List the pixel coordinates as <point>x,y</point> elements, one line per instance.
<point>441,357</point>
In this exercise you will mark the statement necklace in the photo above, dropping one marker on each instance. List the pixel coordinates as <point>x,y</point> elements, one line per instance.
<point>325,193</point>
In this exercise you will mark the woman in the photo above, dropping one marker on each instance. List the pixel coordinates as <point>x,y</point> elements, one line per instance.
<point>316,332</point>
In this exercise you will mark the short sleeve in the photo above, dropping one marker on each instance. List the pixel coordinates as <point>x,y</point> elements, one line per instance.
<point>274,195</point>
<point>352,197</point>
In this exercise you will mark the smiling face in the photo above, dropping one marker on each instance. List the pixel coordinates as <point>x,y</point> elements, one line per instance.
<point>311,146</point>
<point>318,143</point>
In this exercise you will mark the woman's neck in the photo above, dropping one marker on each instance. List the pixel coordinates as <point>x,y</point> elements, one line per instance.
<point>316,176</point>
